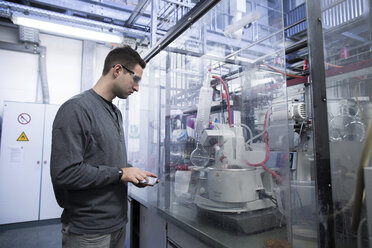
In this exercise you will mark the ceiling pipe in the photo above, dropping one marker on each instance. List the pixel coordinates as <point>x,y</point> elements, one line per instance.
<point>43,75</point>
<point>13,7</point>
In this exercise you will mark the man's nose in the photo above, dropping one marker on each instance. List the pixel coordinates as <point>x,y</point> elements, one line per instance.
<point>136,87</point>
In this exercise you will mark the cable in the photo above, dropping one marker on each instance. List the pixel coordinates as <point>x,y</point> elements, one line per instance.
<point>332,65</point>
<point>250,132</point>
<point>267,152</point>
<point>359,233</point>
<point>227,96</point>
<point>283,73</point>
<point>270,197</point>
<point>359,188</point>
<point>341,66</point>
<point>359,107</point>
<point>302,124</point>
<point>255,137</point>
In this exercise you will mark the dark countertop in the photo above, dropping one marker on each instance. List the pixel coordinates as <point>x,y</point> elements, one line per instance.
<point>191,219</point>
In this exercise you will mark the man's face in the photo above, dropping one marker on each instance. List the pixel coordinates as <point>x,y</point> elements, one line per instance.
<point>127,82</point>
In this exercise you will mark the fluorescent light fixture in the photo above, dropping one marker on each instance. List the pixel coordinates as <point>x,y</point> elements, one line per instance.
<point>65,30</point>
<point>245,20</point>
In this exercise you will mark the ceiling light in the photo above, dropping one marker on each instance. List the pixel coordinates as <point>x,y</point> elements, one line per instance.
<point>64,29</point>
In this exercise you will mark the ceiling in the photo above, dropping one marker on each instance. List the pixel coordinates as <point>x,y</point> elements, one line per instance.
<point>130,18</point>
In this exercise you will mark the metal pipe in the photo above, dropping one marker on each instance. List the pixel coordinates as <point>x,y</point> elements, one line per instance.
<point>43,74</point>
<point>5,13</point>
<point>13,7</point>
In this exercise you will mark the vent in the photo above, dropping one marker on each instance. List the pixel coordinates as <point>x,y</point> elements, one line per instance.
<point>298,111</point>
<point>27,34</point>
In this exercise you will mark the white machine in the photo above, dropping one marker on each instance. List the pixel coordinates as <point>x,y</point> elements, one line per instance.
<point>230,184</point>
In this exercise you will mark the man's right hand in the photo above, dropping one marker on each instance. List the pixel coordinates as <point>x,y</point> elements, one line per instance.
<point>135,175</point>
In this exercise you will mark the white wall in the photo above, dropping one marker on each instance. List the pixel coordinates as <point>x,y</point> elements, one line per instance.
<point>18,76</point>
<point>63,63</point>
<point>19,71</point>
<point>101,53</point>
<point>9,34</point>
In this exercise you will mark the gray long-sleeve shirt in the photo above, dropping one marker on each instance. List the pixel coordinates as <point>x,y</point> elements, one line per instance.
<point>88,149</point>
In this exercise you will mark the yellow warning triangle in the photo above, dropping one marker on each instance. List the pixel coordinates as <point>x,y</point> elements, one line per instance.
<point>22,137</point>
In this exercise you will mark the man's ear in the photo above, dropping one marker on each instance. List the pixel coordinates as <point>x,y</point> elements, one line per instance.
<point>116,71</point>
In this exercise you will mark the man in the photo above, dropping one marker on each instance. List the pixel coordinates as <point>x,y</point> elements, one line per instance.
<point>89,166</point>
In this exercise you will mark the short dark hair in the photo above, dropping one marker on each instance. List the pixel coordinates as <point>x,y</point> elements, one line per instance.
<point>122,55</point>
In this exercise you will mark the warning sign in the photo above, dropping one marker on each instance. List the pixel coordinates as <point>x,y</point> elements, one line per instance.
<point>22,137</point>
<point>24,118</point>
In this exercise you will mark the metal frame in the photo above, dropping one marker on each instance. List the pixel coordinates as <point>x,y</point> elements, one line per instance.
<point>154,21</point>
<point>320,126</point>
<point>97,8</point>
<point>185,22</point>
<point>167,178</point>
<point>71,20</point>
<point>140,6</point>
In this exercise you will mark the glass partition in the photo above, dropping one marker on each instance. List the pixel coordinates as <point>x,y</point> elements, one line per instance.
<point>223,129</point>
<point>142,121</point>
<point>347,36</point>
<point>233,141</point>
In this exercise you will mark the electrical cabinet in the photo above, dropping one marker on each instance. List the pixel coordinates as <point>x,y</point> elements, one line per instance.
<point>48,205</point>
<point>26,192</point>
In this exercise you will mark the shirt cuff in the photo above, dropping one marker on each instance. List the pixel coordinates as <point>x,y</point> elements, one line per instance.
<point>120,172</point>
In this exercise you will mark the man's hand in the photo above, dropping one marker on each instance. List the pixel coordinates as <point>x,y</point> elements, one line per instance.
<point>135,175</point>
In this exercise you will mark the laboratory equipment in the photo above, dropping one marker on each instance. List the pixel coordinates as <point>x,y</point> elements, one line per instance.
<point>280,120</point>
<point>200,157</point>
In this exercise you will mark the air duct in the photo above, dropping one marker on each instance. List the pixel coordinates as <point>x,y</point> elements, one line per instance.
<point>43,74</point>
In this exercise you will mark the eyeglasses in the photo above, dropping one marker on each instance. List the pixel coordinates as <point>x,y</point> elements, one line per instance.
<point>136,78</point>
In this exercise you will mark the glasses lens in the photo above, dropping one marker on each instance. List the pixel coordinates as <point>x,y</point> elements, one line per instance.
<point>136,79</point>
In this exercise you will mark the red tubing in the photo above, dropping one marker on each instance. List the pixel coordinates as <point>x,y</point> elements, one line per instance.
<point>267,152</point>
<point>227,95</point>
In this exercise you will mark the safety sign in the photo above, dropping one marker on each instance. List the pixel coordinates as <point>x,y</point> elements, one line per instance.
<point>22,137</point>
<point>24,118</point>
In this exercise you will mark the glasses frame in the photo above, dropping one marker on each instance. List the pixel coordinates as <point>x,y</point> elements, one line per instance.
<point>129,70</point>
<point>135,78</point>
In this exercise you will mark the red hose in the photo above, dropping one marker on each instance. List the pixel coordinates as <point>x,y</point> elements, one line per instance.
<point>227,95</point>
<point>267,152</point>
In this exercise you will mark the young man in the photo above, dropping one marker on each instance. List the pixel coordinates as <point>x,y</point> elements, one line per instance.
<point>89,166</point>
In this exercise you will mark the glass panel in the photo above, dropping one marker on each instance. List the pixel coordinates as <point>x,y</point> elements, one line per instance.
<point>142,124</point>
<point>348,61</point>
<point>219,100</point>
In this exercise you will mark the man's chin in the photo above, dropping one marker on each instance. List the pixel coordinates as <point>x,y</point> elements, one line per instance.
<point>123,97</point>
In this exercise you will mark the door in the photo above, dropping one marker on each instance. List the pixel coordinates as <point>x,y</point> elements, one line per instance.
<point>49,208</point>
<point>20,161</point>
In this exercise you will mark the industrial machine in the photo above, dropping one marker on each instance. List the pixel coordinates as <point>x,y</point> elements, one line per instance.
<point>259,136</point>
<point>231,173</point>
<point>231,183</point>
